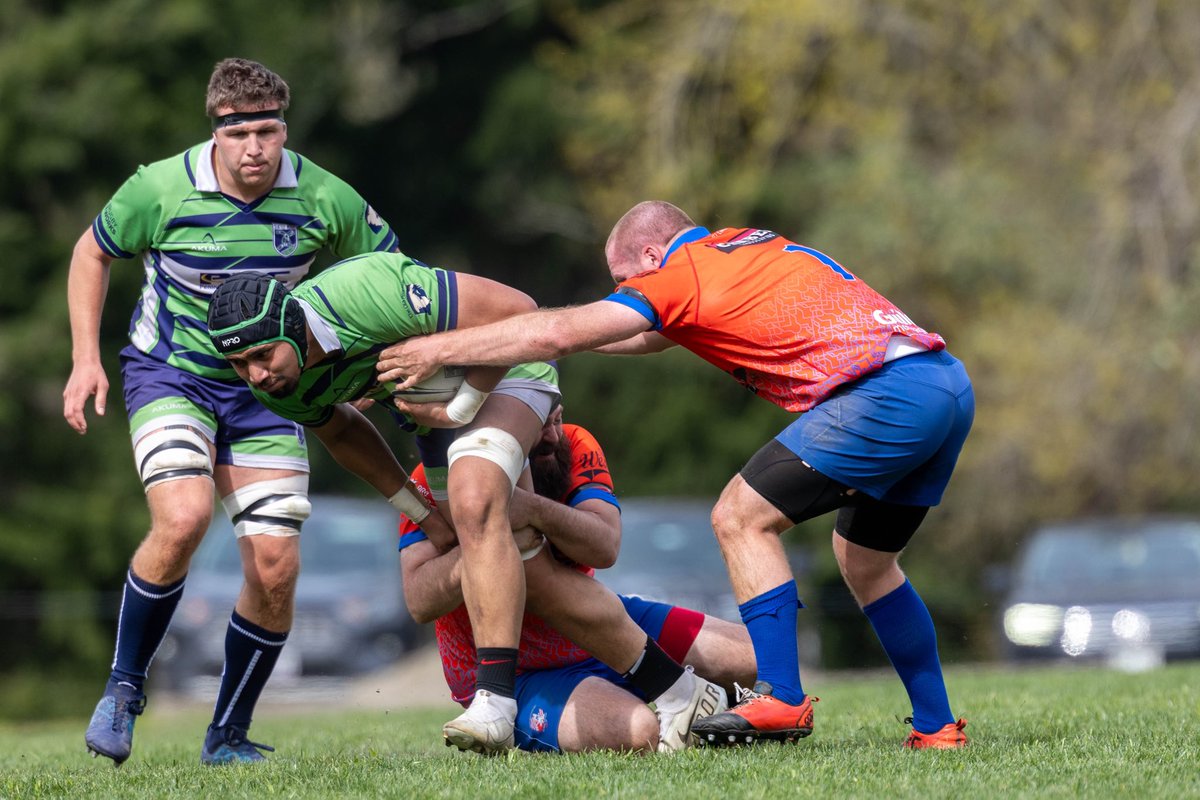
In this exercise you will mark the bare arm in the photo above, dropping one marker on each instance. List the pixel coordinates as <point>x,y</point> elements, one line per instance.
<point>358,446</point>
<point>433,582</point>
<point>642,344</point>
<point>540,336</point>
<point>87,286</point>
<point>589,533</point>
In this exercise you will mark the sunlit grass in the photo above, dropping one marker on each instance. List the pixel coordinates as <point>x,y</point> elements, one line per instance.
<point>1035,733</point>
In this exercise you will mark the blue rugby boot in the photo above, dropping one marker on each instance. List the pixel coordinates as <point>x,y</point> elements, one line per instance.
<point>228,745</point>
<point>110,733</point>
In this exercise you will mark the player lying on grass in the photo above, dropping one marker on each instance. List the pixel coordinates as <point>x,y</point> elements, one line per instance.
<point>310,353</point>
<point>566,700</point>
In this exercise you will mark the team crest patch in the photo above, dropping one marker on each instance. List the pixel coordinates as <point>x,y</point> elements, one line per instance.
<point>537,721</point>
<point>418,300</point>
<point>286,238</point>
<point>373,219</point>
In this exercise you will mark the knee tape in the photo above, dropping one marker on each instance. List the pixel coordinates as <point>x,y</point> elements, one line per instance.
<point>274,508</point>
<point>499,447</point>
<point>171,453</point>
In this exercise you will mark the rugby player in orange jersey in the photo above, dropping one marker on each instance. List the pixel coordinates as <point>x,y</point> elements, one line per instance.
<point>885,413</point>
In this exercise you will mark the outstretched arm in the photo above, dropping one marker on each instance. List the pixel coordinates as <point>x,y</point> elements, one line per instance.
<point>540,336</point>
<point>639,345</point>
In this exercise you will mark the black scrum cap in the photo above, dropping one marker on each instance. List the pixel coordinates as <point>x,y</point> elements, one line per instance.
<point>249,310</point>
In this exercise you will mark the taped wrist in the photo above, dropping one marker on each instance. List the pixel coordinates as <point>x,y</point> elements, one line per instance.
<point>465,404</point>
<point>410,504</point>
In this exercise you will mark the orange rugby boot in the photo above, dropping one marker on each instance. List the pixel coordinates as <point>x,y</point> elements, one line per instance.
<point>757,715</point>
<point>948,737</point>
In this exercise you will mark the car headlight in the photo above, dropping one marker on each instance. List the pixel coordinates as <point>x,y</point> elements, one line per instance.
<point>1131,626</point>
<point>1032,624</point>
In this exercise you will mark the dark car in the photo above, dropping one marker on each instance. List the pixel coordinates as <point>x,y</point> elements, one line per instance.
<point>669,553</point>
<point>350,612</point>
<point>1126,590</point>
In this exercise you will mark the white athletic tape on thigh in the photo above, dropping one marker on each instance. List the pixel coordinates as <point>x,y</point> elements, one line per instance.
<point>171,453</point>
<point>275,508</point>
<point>498,446</point>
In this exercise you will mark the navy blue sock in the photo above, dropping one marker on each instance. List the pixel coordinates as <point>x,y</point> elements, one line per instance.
<point>771,620</point>
<point>905,629</point>
<point>250,655</point>
<point>146,611</point>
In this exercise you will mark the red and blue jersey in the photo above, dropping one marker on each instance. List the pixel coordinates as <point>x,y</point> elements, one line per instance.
<point>541,647</point>
<point>785,320</point>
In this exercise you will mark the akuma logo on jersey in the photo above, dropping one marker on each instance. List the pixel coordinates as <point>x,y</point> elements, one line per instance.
<point>537,721</point>
<point>285,237</point>
<point>209,245</point>
<point>418,300</point>
<point>756,236</point>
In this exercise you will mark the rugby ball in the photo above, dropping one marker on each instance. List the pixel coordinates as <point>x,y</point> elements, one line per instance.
<point>437,388</point>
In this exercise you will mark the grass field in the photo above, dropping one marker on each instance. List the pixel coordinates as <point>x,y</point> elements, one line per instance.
<point>1035,733</point>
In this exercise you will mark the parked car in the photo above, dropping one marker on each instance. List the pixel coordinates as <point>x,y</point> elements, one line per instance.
<point>350,612</point>
<point>669,553</point>
<point>1107,588</point>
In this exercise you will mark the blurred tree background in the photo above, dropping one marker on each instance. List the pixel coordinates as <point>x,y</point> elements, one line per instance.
<point>1021,177</point>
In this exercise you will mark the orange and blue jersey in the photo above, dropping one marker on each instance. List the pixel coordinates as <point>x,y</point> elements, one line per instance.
<point>785,320</point>
<point>541,647</point>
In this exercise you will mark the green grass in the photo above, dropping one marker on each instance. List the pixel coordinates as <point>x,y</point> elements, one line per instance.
<point>1035,733</point>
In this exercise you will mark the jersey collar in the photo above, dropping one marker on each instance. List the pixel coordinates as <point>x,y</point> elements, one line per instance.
<point>206,176</point>
<point>321,330</point>
<point>687,237</point>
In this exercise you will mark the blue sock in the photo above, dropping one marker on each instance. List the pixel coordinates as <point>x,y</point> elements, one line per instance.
<point>905,629</point>
<point>146,611</point>
<point>250,655</point>
<point>771,620</point>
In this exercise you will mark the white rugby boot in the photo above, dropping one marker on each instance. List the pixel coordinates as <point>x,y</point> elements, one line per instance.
<point>485,727</point>
<point>688,699</point>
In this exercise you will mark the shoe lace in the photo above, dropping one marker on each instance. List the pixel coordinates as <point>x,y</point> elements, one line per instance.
<point>236,737</point>
<point>746,696</point>
<point>124,708</point>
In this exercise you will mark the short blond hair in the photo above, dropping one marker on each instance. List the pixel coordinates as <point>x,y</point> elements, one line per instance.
<point>651,222</point>
<point>241,84</point>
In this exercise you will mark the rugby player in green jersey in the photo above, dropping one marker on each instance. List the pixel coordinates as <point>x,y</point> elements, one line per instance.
<point>237,202</point>
<point>310,354</point>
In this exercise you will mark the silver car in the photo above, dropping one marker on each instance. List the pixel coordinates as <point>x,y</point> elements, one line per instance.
<point>350,612</point>
<point>1125,590</point>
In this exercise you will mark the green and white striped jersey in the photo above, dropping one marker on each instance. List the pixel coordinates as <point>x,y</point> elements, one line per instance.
<point>358,307</point>
<point>192,237</point>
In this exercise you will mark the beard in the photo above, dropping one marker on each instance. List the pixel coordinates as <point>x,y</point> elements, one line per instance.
<point>551,469</point>
<point>285,388</point>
